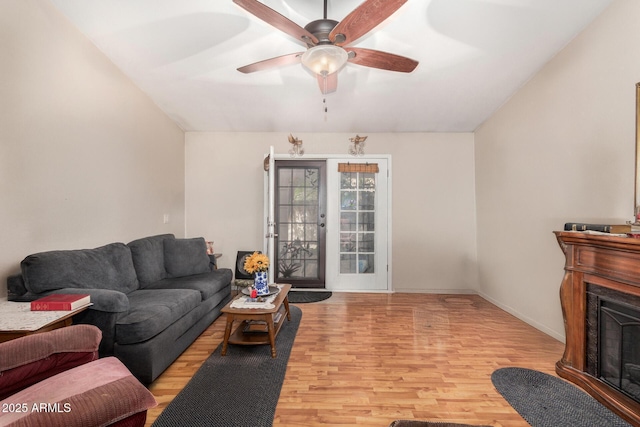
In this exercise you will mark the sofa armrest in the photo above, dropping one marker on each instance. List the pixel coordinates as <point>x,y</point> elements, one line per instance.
<point>99,393</point>
<point>213,262</point>
<point>102,299</point>
<point>107,306</point>
<point>16,289</point>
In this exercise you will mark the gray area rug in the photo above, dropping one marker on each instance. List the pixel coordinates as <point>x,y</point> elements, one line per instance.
<point>547,401</point>
<point>240,389</point>
<point>300,297</point>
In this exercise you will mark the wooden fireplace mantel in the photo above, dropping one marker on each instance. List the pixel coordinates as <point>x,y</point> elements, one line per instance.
<point>608,261</point>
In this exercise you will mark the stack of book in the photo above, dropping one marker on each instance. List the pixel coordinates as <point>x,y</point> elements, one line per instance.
<point>602,228</point>
<point>259,326</point>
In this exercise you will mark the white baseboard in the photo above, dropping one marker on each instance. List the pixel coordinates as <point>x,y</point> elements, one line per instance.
<point>542,328</point>
<point>435,291</point>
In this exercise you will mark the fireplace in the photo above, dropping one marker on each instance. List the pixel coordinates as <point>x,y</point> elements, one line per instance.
<point>600,298</point>
<point>613,339</point>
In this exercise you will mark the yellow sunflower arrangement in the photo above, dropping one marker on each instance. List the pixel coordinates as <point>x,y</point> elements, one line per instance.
<point>256,262</point>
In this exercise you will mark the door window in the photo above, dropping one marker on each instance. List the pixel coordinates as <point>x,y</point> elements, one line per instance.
<point>357,222</point>
<point>300,222</point>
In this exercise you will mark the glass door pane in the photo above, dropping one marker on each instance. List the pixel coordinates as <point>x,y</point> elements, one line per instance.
<point>357,222</point>
<point>300,219</point>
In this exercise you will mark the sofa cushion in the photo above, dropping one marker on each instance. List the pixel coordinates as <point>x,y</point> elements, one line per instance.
<point>106,267</point>
<point>185,257</point>
<point>98,393</point>
<point>30,359</point>
<point>208,284</point>
<point>151,311</point>
<point>148,258</point>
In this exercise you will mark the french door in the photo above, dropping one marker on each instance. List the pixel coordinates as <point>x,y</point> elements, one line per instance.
<point>358,229</point>
<point>327,227</point>
<point>300,221</point>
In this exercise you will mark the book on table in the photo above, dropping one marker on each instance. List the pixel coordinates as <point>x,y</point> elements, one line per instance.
<point>60,302</point>
<point>259,326</point>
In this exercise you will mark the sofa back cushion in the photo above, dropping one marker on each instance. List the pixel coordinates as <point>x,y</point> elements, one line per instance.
<point>185,257</point>
<point>106,267</point>
<point>148,258</point>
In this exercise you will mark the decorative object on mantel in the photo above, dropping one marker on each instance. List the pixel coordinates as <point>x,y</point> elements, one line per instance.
<point>258,265</point>
<point>296,149</point>
<point>357,145</point>
<point>603,228</point>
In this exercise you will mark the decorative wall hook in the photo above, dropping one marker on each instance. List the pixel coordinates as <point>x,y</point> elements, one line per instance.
<point>357,145</point>
<point>296,149</point>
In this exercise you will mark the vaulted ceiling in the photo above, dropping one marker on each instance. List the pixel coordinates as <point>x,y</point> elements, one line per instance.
<point>473,56</point>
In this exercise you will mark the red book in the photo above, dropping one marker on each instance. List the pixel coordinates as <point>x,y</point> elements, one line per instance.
<point>60,302</point>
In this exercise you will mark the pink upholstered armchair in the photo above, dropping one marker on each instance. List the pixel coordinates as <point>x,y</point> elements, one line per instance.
<point>56,379</point>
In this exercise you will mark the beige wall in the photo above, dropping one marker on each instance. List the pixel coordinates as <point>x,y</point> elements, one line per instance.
<point>85,157</point>
<point>433,219</point>
<point>561,150</point>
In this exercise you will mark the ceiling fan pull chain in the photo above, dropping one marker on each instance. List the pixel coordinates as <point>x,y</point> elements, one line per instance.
<point>326,110</point>
<point>324,99</point>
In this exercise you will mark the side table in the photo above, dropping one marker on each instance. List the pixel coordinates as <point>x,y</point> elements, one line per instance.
<point>17,319</point>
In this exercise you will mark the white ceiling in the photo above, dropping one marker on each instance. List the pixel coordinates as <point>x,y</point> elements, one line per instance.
<point>473,54</point>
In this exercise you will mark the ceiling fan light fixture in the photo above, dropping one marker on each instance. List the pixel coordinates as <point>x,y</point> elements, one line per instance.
<point>324,59</point>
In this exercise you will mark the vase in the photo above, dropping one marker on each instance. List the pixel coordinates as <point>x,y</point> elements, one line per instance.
<point>261,283</point>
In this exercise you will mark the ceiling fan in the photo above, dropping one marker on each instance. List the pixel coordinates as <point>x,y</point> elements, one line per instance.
<point>328,41</point>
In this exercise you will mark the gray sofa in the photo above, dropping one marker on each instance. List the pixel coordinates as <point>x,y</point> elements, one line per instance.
<point>151,297</point>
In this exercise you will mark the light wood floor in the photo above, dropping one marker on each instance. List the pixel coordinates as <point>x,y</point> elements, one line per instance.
<point>369,359</point>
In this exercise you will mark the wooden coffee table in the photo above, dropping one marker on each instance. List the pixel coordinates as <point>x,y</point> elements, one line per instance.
<point>272,317</point>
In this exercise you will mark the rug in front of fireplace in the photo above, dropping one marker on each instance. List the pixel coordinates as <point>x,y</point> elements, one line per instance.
<point>547,401</point>
<point>240,389</point>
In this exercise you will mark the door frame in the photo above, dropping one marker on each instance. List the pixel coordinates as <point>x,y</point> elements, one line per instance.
<point>269,231</point>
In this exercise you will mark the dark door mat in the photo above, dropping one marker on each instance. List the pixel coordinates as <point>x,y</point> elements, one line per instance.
<point>300,297</point>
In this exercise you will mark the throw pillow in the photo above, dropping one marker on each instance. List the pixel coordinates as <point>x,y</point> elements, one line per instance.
<point>186,257</point>
<point>148,258</point>
<point>106,267</point>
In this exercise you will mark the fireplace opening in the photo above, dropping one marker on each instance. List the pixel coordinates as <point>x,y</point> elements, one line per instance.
<point>619,346</point>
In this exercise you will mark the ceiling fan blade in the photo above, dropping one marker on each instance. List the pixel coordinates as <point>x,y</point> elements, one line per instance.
<point>382,60</point>
<point>282,23</point>
<point>362,20</point>
<point>329,83</point>
<point>278,61</point>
